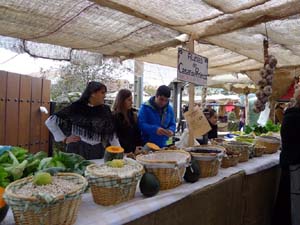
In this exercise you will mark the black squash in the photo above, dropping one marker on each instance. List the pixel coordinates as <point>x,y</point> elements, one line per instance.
<point>3,212</point>
<point>192,172</point>
<point>149,185</point>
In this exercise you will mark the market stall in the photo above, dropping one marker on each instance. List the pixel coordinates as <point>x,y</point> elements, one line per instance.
<point>237,195</point>
<point>133,29</point>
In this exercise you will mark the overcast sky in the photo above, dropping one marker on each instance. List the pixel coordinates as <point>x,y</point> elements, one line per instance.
<point>24,64</point>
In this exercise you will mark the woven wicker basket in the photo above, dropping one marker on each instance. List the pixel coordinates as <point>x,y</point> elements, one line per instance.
<point>230,160</point>
<point>62,210</point>
<point>222,127</point>
<point>259,150</point>
<point>217,141</point>
<point>271,144</point>
<point>167,166</point>
<point>242,148</point>
<point>110,188</point>
<point>209,158</point>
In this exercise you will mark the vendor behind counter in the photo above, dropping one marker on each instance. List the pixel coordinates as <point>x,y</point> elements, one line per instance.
<point>212,118</point>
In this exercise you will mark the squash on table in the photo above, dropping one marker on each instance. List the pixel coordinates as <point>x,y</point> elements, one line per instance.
<point>113,152</point>
<point>151,147</point>
<point>149,185</point>
<point>3,205</point>
<point>2,202</point>
<point>192,173</point>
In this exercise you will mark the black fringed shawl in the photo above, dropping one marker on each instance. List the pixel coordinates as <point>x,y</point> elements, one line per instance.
<point>92,123</point>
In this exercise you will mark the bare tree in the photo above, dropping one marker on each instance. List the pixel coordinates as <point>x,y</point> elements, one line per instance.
<point>74,78</point>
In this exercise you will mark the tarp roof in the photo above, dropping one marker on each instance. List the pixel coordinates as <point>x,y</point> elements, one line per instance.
<point>229,33</point>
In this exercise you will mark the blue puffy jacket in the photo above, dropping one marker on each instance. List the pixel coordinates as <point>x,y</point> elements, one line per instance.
<point>151,118</point>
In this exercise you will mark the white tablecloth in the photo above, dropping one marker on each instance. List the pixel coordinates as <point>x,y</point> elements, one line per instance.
<point>93,214</point>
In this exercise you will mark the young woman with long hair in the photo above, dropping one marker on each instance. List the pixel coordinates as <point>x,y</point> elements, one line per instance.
<point>125,121</point>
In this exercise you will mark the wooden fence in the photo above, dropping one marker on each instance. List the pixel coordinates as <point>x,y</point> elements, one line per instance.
<point>21,122</point>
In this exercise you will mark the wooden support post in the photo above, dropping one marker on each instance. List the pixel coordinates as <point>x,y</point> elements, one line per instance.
<point>204,95</point>
<point>190,48</point>
<point>138,83</point>
<point>246,109</point>
<point>272,110</point>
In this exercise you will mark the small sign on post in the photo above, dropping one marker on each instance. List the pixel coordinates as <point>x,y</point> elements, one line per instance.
<point>197,122</point>
<point>192,68</point>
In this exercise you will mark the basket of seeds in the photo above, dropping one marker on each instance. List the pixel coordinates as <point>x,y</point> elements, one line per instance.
<point>46,200</point>
<point>115,181</point>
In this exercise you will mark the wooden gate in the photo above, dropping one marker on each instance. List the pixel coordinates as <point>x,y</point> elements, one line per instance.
<point>21,122</point>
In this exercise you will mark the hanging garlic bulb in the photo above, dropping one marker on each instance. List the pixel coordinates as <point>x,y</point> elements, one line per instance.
<point>265,84</point>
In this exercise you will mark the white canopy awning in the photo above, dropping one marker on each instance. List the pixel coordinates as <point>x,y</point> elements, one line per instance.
<point>229,33</point>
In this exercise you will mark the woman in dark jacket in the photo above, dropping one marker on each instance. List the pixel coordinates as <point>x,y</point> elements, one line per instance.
<point>288,200</point>
<point>212,118</point>
<point>85,126</point>
<point>125,120</point>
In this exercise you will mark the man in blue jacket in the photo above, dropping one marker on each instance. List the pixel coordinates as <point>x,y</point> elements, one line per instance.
<point>156,118</point>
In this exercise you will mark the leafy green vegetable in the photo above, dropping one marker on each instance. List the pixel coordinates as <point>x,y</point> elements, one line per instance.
<point>19,153</point>
<point>4,158</point>
<point>68,162</point>
<point>270,126</point>
<point>33,163</point>
<point>54,170</point>
<point>258,130</point>
<point>73,162</point>
<point>4,181</point>
<point>16,169</point>
<point>45,163</point>
<point>248,129</point>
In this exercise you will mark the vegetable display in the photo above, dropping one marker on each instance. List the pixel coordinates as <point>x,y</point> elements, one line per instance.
<point>258,130</point>
<point>16,163</point>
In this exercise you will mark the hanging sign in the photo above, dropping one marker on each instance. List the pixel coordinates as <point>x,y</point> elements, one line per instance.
<point>192,68</point>
<point>197,122</point>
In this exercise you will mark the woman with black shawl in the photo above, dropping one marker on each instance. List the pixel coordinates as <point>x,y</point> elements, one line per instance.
<point>125,120</point>
<point>86,126</point>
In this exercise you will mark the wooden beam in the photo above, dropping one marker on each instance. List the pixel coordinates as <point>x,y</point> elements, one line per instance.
<point>129,11</point>
<point>152,49</point>
<point>190,47</point>
<point>289,68</point>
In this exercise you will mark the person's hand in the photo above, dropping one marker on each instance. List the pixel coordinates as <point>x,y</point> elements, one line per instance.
<point>169,133</point>
<point>71,139</point>
<point>161,131</point>
<point>165,132</point>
